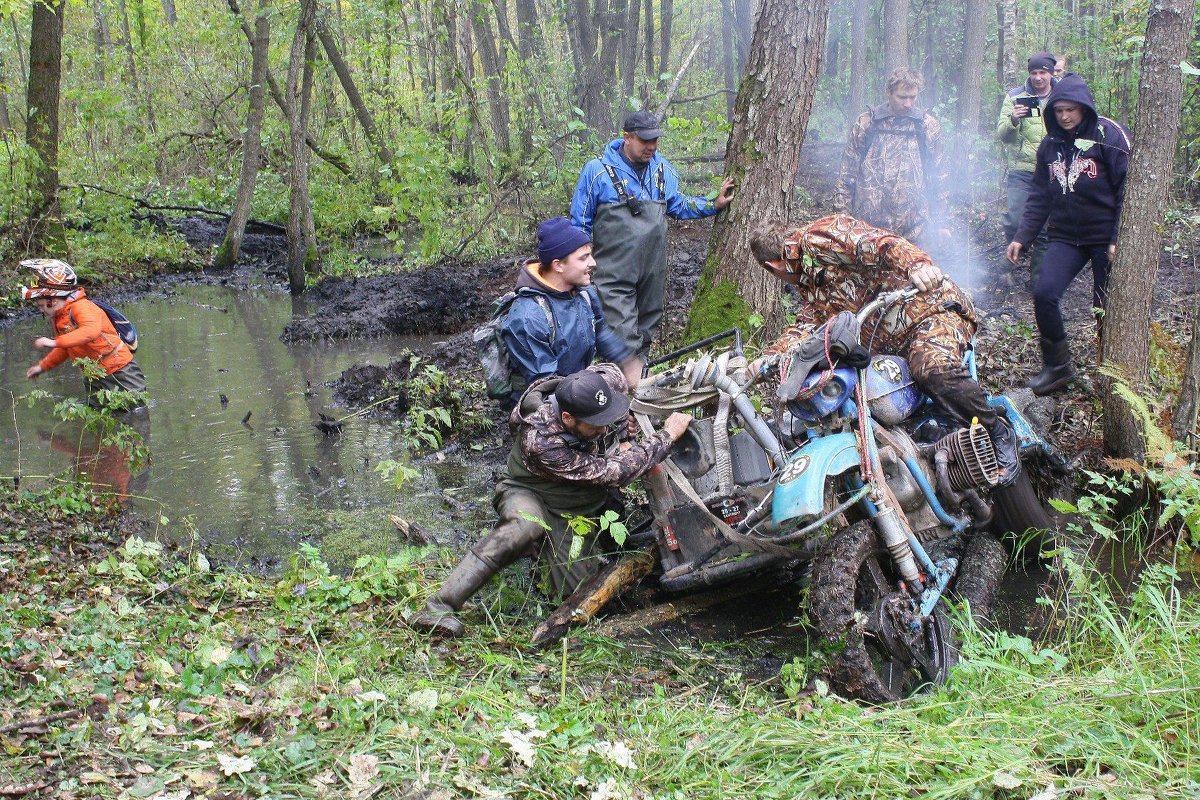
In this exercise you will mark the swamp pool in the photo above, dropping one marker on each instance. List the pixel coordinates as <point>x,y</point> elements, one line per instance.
<point>251,489</point>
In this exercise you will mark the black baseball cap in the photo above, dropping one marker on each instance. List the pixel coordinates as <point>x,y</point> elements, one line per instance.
<point>587,397</point>
<point>643,125</point>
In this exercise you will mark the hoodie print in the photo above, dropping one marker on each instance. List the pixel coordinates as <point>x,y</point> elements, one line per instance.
<point>1067,175</point>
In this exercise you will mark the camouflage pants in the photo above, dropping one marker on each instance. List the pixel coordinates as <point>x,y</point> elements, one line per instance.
<point>521,532</point>
<point>936,345</point>
<point>935,350</point>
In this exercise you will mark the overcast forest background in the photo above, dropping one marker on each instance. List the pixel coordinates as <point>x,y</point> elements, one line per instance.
<point>452,126</point>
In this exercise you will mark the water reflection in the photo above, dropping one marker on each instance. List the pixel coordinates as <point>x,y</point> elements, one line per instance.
<point>252,474</point>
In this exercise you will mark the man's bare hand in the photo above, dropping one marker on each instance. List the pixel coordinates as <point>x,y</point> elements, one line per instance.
<point>1019,112</point>
<point>725,195</point>
<point>34,371</point>
<point>1014,252</point>
<point>1112,250</point>
<point>631,368</point>
<point>45,343</point>
<point>926,277</point>
<point>676,424</point>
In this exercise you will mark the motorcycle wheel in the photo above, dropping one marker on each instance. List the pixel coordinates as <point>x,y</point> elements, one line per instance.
<point>856,604</point>
<point>1020,516</point>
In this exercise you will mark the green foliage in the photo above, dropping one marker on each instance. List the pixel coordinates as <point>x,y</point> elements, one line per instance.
<point>439,405</point>
<point>399,473</point>
<point>309,583</point>
<point>102,418</point>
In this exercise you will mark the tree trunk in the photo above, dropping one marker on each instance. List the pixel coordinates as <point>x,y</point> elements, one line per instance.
<point>131,68</point>
<point>529,40</point>
<point>41,129</point>
<point>168,7</point>
<point>1183,421</point>
<point>301,248</point>
<point>333,159</point>
<point>1126,341</point>
<point>595,40</point>
<point>858,57</point>
<point>763,153</point>
<point>743,11</point>
<point>630,49</point>
<point>971,67</point>
<point>5,119</point>
<point>651,74</point>
<point>251,144</point>
<point>101,40</point>
<point>895,34</point>
<point>666,17</point>
<point>728,51</point>
<point>491,59</point>
<point>342,69</point>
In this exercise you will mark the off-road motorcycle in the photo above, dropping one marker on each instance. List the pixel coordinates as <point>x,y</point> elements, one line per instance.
<point>859,477</point>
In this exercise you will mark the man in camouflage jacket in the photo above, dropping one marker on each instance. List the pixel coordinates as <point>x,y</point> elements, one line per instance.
<point>891,171</point>
<point>563,464</point>
<point>839,263</point>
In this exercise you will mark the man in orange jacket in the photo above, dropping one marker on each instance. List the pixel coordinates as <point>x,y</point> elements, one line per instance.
<point>81,328</point>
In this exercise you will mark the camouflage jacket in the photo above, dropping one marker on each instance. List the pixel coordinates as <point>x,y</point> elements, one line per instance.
<point>891,171</point>
<point>545,451</point>
<point>840,264</point>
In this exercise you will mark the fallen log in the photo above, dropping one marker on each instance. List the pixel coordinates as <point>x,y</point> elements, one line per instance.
<point>8,727</point>
<point>645,618</point>
<point>593,595</point>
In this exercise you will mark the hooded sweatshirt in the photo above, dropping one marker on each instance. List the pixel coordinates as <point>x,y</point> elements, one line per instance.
<point>579,331</point>
<point>1080,174</point>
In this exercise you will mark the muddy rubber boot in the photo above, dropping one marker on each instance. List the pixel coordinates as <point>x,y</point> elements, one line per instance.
<point>439,614</point>
<point>1008,455</point>
<point>1057,371</point>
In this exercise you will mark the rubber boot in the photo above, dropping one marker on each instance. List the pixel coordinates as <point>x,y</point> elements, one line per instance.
<point>1057,371</point>
<point>466,579</point>
<point>1008,455</point>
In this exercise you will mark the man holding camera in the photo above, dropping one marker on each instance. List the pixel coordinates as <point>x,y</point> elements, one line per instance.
<point>622,200</point>
<point>1021,129</point>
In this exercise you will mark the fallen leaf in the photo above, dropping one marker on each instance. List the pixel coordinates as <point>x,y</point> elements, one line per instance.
<point>423,700</point>
<point>1006,780</point>
<point>364,768</point>
<point>220,654</point>
<point>201,778</point>
<point>234,765</point>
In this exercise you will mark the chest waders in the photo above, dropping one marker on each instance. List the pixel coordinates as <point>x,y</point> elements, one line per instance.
<point>631,268</point>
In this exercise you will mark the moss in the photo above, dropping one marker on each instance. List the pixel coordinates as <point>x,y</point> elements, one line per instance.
<point>717,307</point>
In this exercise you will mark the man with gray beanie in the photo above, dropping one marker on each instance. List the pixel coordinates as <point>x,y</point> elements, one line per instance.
<point>1020,130</point>
<point>570,451</point>
<point>622,200</point>
<point>556,324</point>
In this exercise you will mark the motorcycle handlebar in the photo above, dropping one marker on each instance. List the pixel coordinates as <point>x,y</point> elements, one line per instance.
<point>885,299</point>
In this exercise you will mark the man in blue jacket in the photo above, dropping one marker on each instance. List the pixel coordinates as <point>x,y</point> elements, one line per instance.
<point>556,326</point>
<point>1079,187</point>
<point>622,200</point>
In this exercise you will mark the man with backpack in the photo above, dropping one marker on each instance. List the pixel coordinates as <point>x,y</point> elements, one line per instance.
<point>622,200</point>
<point>82,329</point>
<point>891,171</point>
<point>556,325</point>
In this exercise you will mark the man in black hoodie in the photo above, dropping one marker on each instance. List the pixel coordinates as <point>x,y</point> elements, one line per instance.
<point>1079,186</point>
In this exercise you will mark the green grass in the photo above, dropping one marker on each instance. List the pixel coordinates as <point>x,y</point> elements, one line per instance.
<point>228,684</point>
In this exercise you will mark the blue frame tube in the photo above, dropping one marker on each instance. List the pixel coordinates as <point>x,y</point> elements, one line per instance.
<point>957,524</point>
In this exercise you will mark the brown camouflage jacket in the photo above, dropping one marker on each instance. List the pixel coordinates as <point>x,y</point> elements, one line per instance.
<point>840,263</point>
<point>886,177</point>
<point>544,448</point>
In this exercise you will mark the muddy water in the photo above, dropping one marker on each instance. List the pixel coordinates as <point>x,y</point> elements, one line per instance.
<point>252,477</point>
